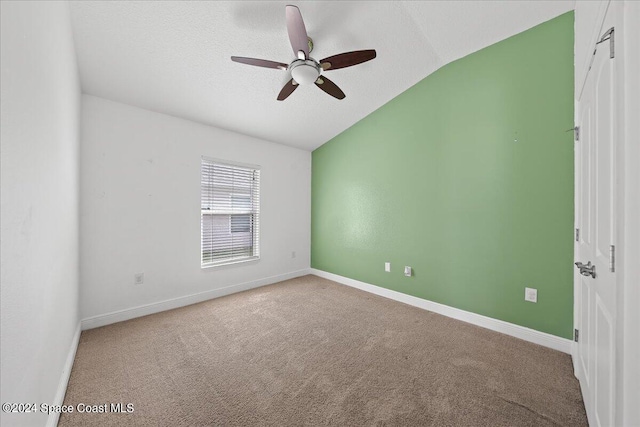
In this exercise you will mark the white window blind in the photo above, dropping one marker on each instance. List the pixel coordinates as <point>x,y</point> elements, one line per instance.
<point>229,213</point>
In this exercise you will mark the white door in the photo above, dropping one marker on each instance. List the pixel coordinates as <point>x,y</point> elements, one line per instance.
<point>596,221</point>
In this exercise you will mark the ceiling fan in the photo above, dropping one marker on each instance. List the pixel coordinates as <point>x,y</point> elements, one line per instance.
<point>304,69</point>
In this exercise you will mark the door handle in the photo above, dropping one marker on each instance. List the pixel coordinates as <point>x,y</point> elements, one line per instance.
<point>587,269</point>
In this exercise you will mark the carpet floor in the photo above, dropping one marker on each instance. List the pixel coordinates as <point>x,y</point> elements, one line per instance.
<point>309,351</point>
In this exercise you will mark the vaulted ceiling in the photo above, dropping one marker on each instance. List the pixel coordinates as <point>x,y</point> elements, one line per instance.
<point>173,57</point>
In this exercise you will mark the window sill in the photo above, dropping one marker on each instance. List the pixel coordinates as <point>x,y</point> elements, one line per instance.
<point>230,263</point>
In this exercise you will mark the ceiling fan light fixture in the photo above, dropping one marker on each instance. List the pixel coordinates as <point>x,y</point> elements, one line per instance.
<point>305,72</point>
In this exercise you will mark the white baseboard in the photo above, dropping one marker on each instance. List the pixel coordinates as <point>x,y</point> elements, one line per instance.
<point>156,307</point>
<point>52,421</point>
<point>547,340</point>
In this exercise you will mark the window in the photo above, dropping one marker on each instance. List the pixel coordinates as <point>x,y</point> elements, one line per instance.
<point>240,223</point>
<point>229,213</point>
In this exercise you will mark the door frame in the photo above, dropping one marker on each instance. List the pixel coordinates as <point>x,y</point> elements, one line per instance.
<point>589,18</point>
<point>629,286</point>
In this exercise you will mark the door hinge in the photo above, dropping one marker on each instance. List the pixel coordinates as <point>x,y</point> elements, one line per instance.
<point>612,258</point>
<point>609,36</point>
<point>576,132</point>
<point>577,234</point>
<point>576,335</point>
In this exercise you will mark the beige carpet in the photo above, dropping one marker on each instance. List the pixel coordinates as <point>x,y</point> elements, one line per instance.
<point>309,351</point>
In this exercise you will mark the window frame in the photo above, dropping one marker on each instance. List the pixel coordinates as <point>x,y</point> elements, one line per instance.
<point>254,213</point>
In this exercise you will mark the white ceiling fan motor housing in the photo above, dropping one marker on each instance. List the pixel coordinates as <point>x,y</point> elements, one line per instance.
<point>305,72</point>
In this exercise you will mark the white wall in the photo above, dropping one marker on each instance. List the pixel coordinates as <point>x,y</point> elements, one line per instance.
<point>140,209</point>
<point>40,95</point>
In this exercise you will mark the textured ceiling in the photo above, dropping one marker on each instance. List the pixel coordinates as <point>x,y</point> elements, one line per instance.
<point>173,56</point>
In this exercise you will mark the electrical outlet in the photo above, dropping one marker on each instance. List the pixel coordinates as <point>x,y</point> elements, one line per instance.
<point>387,267</point>
<point>138,278</point>
<point>531,294</point>
<point>408,271</point>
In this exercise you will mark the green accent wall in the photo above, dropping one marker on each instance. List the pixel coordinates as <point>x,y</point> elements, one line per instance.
<point>468,178</point>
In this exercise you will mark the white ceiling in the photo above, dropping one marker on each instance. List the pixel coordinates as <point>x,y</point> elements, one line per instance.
<point>173,56</point>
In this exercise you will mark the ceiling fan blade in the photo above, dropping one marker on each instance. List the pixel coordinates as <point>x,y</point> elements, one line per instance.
<point>297,31</point>
<point>347,59</point>
<point>260,62</point>
<point>330,87</point>
<point>287,90</point>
